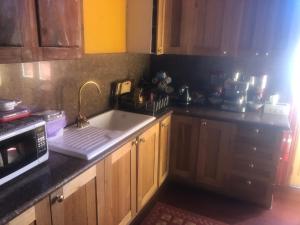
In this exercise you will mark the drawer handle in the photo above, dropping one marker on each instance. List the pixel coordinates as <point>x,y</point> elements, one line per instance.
<point>249,182</point>
<point>204,124</point>
<point>142,140</point>
<point>254,149</point>
<point>135,142</point>
<point>251,165</point>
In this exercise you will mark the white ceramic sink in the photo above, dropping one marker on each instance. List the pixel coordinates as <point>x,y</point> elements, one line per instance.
<point>104,131</point>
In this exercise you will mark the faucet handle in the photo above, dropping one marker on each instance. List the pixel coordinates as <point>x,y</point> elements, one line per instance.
<point>82,121</point>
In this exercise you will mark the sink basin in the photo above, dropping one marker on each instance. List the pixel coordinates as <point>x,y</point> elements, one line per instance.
<point>104,131</point>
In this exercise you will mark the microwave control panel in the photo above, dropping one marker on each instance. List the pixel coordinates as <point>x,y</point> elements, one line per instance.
<point>41,142</point>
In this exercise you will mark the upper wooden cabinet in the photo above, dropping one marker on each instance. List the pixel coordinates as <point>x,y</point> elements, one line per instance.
<point>164,149</point>
<point>215,142</point>
<point>40,30</point>
<point>17,36</point>
<point>215,27</point>
<point>59,28</point>
<point>75,202</point>
<point>39,214</point>
<point>147,165</point>
<point>145,26</point>
<point>184,146</point>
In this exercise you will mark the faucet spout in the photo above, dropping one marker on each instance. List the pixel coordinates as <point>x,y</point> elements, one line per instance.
<point>81,118</point>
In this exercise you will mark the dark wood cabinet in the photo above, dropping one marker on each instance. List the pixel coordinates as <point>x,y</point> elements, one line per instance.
<point>215,142</point>
<point>184,146</point>
<point>215,27</point>
<point>59,28</point>
<point>17,31</point>
<point>40,30</point>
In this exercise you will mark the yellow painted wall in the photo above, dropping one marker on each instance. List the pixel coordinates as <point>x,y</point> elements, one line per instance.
<point>295,178</point>
<point>104,26</point>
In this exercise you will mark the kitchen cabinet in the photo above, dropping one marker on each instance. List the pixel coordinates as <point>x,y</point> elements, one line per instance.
<point>164,149</point>
<point>178,26</point>
<point>215,141</point>
<point>75,203</point>
<point>17,29</point>
<point>59,28</point>
<point>145,26</point>
<point>119,186</point>
<point>105,26</point>
<point>40,30</point>
<point>39,214</point>
<point>147,165</point>
<point>184,147</point>
<point>215,27</point>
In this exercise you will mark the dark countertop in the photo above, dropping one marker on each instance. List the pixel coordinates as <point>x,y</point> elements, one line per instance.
<point>24,191</point>
<point>255,118</point>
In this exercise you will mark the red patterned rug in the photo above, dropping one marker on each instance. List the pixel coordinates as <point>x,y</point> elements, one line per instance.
<point>163,214</point>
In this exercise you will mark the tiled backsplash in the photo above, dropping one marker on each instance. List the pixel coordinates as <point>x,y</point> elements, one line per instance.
<point>55,84</point>
<point>195,70</point>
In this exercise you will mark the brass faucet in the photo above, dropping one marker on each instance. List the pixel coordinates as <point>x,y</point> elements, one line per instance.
<point>81,119</point>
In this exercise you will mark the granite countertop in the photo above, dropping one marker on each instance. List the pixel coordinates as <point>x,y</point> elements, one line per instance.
<point>255,118</point>
<point>24,191</point>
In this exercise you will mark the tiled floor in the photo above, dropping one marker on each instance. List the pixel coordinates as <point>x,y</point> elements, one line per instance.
<point>285,211</point>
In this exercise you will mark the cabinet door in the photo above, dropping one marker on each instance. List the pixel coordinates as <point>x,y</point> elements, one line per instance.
<point>215,27</point>
<point>164,149</point>
<point>258,27</point>
<point>177,26</point>
<point>75,202</point>
<point>60,28</point>
<point>184,142</point>
<point>39,214</point>
<point>17,34</point>
<point>147,165</point>
<point>120,186</point>
<point>214,147</point>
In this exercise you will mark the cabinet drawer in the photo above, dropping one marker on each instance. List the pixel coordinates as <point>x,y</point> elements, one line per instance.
<point>255,151</point>
<point>248,188</point>
<point>257,135</point>
<point>253,168</point>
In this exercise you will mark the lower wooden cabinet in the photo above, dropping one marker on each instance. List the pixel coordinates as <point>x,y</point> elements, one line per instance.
<point>39,214</point>
<point>75,202</point>
<point>117,186</point>
<point>164,149</point>
<point>215,141</point>
<point>184,147</point>
<point>147,165</point>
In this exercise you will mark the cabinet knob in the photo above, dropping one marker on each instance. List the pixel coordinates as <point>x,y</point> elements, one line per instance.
<point>249,182</point>
<point>142,140</point>
<point>135,142</point>
<point>254,149</point>
<point>251,165</point>
<point>257,53</point>
<point>163,125</point>
<point>204,123</point>
<point>225,53</point>
<point>256,131</point>
<point>60,198</point>
<point>267,53</point>
<point>159,50</point>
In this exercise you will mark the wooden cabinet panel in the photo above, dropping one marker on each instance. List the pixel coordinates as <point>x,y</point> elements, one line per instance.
<point>39,214</point>
<point>164,149</point>
<point>184,146</point>
<point>17,28</point>
<point>147,165</point>
<point>75,202</point>
<point>60,28</point>
<point>214,147</point>
<point>215,27</point>
<point>120,186</point>
<point>177,26</point>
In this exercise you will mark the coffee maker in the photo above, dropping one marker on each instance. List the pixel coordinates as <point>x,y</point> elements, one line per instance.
<point>235,94</point>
